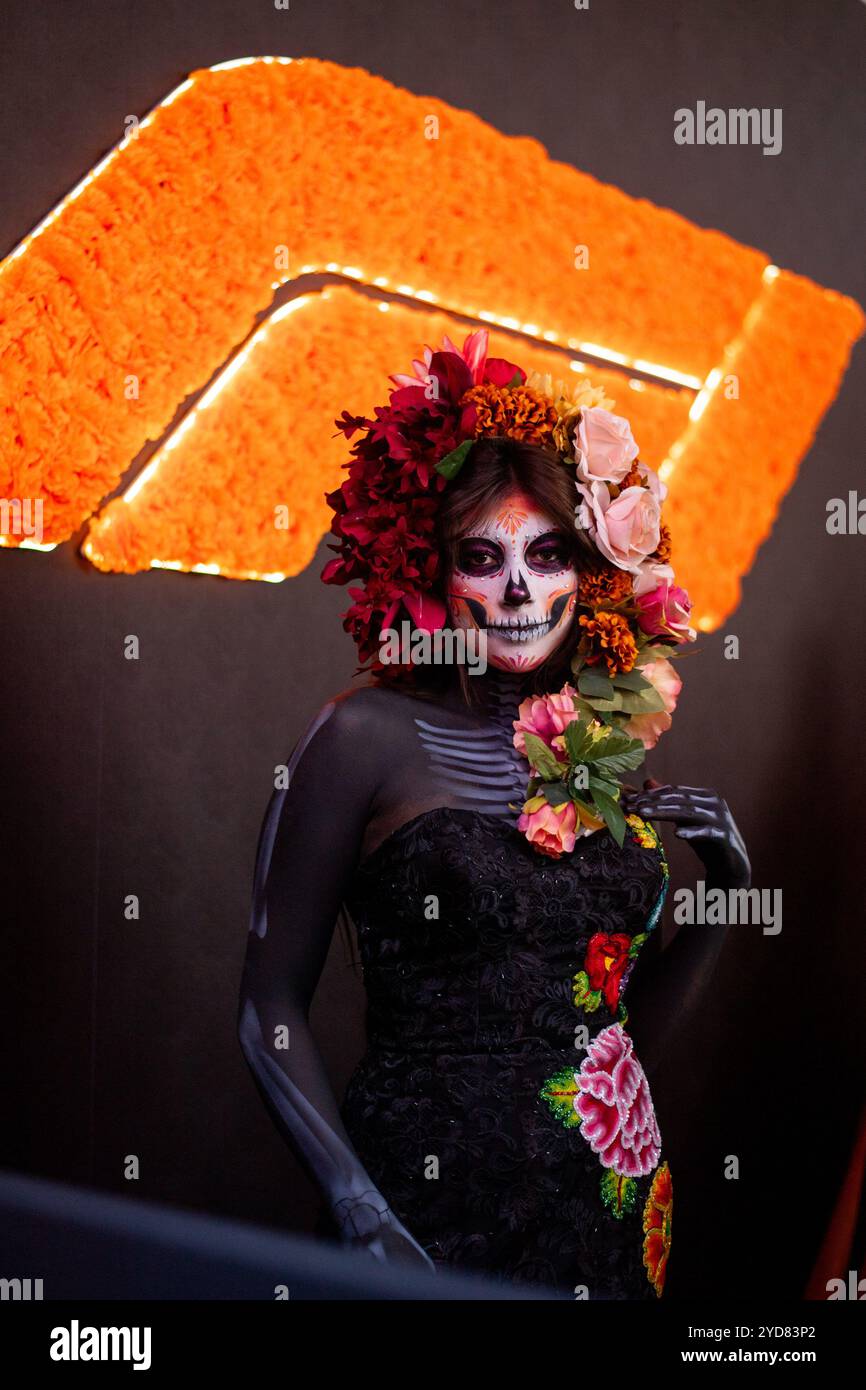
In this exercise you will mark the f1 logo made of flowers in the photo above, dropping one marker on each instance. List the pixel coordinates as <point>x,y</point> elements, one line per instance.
<point>154,280</point>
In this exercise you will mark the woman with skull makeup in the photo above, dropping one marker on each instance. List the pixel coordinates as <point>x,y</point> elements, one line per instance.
<point>459,1141</point>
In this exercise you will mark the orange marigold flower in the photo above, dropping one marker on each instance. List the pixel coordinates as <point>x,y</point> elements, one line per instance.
<point>662,551</point>
<point>657,1220</point>
<point>517,411</point>
<point>611,640</point>
<point>631,479</point>
<point>607,584</point>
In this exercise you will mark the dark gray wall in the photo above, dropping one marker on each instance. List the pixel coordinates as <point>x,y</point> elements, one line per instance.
<point>152,777</point>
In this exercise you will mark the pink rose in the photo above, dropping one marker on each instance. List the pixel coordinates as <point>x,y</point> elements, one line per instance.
<point>618,1118</point>
<point>651,479</point>
<point>550,829</point>
<point>625,529</point>
<point>664,612</point>
<point>604,447</point>
<point>650,727</point>
<point>546,716</point>
<point>649,575</point>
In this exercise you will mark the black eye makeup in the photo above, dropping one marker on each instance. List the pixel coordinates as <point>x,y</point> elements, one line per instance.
<point>481,557</point>
<point>478,556</point>
<point>549,553</point>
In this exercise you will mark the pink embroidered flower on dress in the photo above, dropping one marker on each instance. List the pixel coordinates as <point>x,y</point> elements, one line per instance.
<point>615,1106</point>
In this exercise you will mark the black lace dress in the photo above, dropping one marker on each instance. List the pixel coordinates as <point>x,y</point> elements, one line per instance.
<point>500,1104</point>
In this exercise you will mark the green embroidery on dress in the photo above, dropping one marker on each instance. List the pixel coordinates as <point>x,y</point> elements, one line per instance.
<point>584,997</point>
<point>644,832</point>
<point>647,836</point>
<point>659,903</point>
<point>618,1193</point>
<point>559,1091</point>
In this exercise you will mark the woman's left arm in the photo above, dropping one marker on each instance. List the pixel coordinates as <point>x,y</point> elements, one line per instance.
<point>664,994</point>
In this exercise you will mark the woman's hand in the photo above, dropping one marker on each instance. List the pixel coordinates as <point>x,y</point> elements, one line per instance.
<point>702,818</point>
<point>394,1245</point>
<point>368,1223</point>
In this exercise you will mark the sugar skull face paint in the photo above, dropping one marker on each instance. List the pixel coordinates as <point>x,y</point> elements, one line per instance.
<point>514,579</point>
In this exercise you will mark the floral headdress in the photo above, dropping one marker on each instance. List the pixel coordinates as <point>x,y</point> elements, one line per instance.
<point>632,616</point>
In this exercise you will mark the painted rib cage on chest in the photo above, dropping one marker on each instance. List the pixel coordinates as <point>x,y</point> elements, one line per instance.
<point>480,768</point>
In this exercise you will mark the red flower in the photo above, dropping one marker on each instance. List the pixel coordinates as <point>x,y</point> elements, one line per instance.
<point>606,961</point>
<point>385,511</point>
<point>350,423</point>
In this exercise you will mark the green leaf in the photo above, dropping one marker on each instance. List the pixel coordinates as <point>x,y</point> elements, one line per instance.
<point>641,702</point>
<point>577,740</point>
<point>601,784</point>
<point>615,764</point>
<point>541,759</point>
<point>584,709</point>
<point>611,741</point>
<point>631,680</point>
<point>653,651</point>
<point>608,716</point>
<point>613,817</point>
<point>594,683</point>
<point>579,788</point>
<point>450,465</point>
<point>627,702</point>
<point>619,752</point>
<point>604,705</point>
<point>556,793</point>
<point>614,751</point>
<point>581,987</point>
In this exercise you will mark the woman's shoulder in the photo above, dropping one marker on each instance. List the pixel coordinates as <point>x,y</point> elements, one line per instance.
<point>365,711</point>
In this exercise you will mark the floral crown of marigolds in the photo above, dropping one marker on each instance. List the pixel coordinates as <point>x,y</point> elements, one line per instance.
<point>632,616</point>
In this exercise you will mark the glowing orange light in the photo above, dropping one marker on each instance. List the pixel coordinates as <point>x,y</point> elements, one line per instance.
<point>154,268</point>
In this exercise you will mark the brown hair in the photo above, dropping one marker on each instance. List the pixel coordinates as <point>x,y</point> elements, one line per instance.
<point>495,466</point>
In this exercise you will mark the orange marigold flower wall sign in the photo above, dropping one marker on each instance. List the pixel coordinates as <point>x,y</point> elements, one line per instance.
<point>240,490</point>
<point>135,290</point>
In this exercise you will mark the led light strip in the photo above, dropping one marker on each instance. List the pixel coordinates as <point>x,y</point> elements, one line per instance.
<point>717,374</point>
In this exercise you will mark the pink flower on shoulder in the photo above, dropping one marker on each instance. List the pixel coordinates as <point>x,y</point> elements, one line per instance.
<point>550,829</point>
<point>553,830</point>
<point>615,1106</point>
<point>545,716</point>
